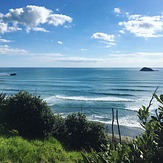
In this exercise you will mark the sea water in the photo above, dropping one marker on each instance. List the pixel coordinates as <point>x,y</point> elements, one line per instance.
<point>92,91</point>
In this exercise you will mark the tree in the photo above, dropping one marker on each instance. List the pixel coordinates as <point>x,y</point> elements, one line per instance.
<point>28,114</point>
<point>82,134</point>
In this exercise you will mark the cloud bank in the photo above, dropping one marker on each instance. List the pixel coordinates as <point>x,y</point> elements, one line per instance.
<point>143,26</point>
<point>31,17</point>
<point>4,40</point>
<point>5,49</point>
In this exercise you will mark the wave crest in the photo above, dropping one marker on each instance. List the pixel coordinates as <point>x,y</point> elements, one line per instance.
<point>99,99</point>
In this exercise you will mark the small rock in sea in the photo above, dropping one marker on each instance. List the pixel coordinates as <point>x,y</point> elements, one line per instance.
<point>13,74</point>
<point>146,69</point>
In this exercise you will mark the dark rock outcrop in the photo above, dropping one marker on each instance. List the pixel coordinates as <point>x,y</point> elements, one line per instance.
<point>13,74</point>
<point>146,69</point>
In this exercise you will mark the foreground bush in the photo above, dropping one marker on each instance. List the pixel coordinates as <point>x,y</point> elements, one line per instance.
<point>32,118</point>
<point>151,141</point>
<point>148,148</point>
<point>2,107</point>
<point>26,113</point>
<point>78,133</point>
<point>6,132</point>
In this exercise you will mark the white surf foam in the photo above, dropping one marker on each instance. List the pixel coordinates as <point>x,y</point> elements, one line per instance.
<point>129,121</point>
<point>4,74</point>
<point>102,99</point>
<point>50,100</point>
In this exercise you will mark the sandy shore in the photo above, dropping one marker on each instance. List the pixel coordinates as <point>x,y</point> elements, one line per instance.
<point>126,131</point>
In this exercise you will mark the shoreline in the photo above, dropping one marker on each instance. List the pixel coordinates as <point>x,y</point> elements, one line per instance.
<point>126,131</point>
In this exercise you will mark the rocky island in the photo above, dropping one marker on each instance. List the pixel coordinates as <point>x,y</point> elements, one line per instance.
<point>147,69</point>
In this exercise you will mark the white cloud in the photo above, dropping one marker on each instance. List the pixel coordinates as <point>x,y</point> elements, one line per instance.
<point>5,49</point>
<point>140,55</point>
<point>37,29</point>
<point>58,19</point>
<point>144,26</point>
<point>67,26</point>
<point>42,55</point>
<point>149,55</point>
<point>60,42</point>
<point>4,40</point>
<point>83,49</point>
<point>117,10</point>
<point>31,17</point>
<point>79,59</point>
<point>103,36</point>
<point>121,31</point>
<point>110,44</point>
<point>137,59</point>
<point>3,27</point>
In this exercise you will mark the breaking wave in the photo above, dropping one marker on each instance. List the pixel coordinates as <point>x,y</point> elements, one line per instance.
<point>99,99</point>
<point>130,121</point>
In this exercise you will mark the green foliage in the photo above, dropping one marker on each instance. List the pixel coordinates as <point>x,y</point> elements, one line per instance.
<point>119,154</point>
<point>151,142</point>
<point>58,130</point>
<point>143,115</point>
<point>7,133</point>
<point>2,106</point>
<point>76,129</point>
<point>147,148</point>
<point>28,114</point>
<point>17,149</point>
<point>79,133</point>
<point>97,135</point>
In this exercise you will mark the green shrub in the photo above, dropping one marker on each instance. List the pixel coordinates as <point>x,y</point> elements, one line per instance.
<point>58,130</point>
<point>32,118</point>
<point>97,135</point>
<point>6,132</point>
<point>79,133</point>
<point>28,114</point>
<point>151,141</point>
<point>147,148</point>
<point>76,128</point>
<point>2,106</point>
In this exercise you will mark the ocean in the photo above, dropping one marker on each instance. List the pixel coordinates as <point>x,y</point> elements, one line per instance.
<point>92,91</point>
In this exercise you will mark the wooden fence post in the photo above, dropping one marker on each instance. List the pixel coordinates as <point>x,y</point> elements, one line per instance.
<point>119,132</point>
<point>112,125</point>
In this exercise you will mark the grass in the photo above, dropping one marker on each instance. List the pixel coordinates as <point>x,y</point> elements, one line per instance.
<point>19,150</point>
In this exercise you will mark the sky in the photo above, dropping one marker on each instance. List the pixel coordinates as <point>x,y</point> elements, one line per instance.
<point>81,33</point>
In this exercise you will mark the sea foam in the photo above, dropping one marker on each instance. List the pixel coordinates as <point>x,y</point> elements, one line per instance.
<point>102,99</point>
<point>129,120</point>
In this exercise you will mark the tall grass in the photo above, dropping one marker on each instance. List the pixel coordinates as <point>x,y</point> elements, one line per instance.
<point>19,150</point>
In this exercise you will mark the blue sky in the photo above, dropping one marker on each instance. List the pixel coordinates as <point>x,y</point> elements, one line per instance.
<point>87,33</point>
